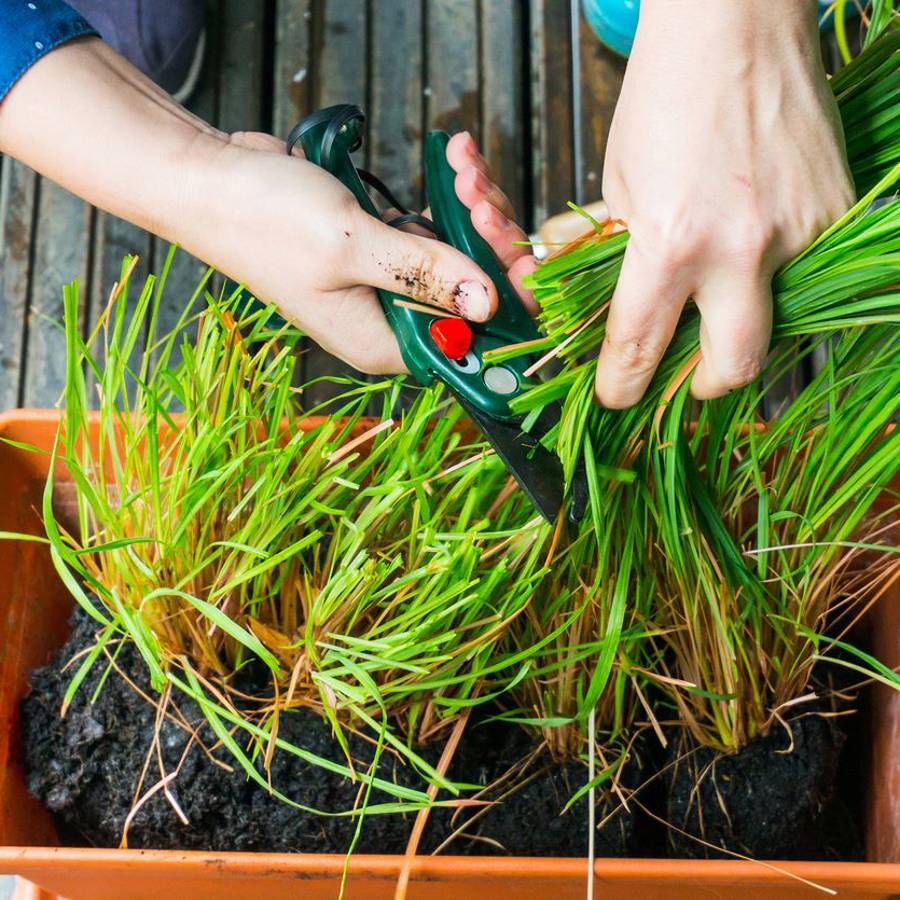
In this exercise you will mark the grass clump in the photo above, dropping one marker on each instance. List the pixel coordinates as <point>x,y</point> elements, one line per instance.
<point>366,566</point>
<point>773,542</point>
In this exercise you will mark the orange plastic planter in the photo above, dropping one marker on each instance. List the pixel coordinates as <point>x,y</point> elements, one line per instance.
<point>34,608</point>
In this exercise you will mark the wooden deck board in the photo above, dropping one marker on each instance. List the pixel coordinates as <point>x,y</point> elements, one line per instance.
<point>396,105</point>
<point>601,79</point>
<point>552,111</point>
<point>241,65</point>
<point>113,239</point>
<point>292,76</point>
<point>17,198</point>
<point>452,98</point>
<point>340,75</point>
<point>503,81</point>
<point>61,253</point>
<point>186,272</point>
<point>502,69</point>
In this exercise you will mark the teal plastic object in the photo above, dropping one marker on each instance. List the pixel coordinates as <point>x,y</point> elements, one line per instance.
<point>615,21</point>
<point>328,138</point>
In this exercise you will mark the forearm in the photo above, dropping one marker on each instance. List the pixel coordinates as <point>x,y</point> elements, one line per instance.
<point>91,122</point>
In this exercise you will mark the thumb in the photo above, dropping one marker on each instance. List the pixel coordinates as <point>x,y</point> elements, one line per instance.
<point>423,269</point>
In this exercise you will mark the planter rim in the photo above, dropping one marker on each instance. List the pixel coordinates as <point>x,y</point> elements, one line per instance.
<point>724,871</point>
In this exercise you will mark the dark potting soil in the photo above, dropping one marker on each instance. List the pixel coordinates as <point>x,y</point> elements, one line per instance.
<point>764,802</point>
<point>85,768</point>
<point>529,821</point>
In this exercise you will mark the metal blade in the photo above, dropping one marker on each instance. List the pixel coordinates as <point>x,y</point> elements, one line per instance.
<point>538,471</point>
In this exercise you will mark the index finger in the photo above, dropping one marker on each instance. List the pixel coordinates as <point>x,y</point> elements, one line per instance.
<point>642,318</point>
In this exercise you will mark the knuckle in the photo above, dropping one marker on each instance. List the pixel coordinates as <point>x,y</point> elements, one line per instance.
<point>336,243</point>
<point>348,211</point>
<point>749,242</point>
<point>738,373</point>
<point>635,354</point>
<point>672,256</point>
<point>674,246</point>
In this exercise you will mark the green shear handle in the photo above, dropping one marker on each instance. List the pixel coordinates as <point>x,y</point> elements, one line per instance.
<point>328,138</point>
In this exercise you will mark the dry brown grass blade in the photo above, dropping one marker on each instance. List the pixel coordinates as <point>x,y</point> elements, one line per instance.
<point>608,228</point>
<point>422,815</point>
<point>350,446</point>
<point>509,775</point>
<point>555,351</point>
<point>672,388</point>
<point>766,865</point>
<point>654,722</point>
<point>427,308</point>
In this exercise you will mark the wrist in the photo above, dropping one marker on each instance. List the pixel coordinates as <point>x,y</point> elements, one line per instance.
<point>219,191</point>
<point>729,12</point>
<point>731,25</point>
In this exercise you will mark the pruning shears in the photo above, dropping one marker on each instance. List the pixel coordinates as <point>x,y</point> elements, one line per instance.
<point>435,346</point>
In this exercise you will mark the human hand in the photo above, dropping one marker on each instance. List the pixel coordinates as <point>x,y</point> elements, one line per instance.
<point>293,234</point>
<point>298,237</point>
<point>725,158</point>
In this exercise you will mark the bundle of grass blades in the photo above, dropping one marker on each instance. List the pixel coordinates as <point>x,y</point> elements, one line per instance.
<point>867,91</point>
<point>221,530</point>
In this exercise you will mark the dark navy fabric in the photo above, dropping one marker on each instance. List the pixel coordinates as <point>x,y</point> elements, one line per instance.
<point>29,29</point>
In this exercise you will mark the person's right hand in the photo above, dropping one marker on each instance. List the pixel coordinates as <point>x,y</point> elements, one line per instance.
<point>726,159</point>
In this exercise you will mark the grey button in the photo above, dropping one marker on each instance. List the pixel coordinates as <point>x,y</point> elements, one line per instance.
<point>501,380</point>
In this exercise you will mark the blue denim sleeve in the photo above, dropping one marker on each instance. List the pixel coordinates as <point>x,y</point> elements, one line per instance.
<point>30,29</point>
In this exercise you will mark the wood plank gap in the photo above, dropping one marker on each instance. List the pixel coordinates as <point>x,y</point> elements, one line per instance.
<point>368,87</point>
<point>577,135</point>
<point>339,57</point>
<point>187,270</point>
<point>551,122</point>
<point>267,85</point>
<point>600,82</point>
<point>526,213</point>
<point>295,78</point>
<point>501,56</point>
<point>426,89</point>
<point>483,124</point>
<point>29,290</point>
<point>62,249</point>
<point>396,101</point>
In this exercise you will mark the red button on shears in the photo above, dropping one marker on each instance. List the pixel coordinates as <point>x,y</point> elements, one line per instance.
<point>453,337</point>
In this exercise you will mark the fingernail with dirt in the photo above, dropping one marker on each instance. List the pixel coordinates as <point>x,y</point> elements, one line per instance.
<point>470,299</point>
